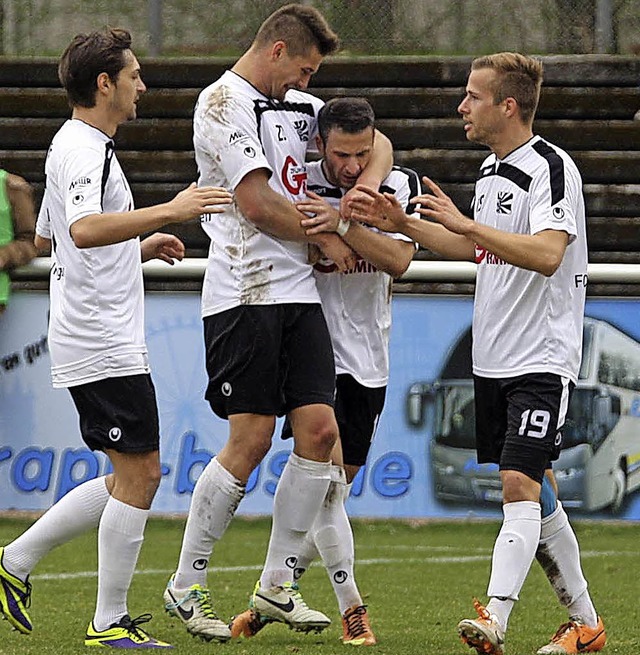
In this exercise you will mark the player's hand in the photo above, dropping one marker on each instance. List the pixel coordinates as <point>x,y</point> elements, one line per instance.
<point>194,201</point>
<point>322,216</point>
<point>335,249</point>
<point>381,210</point>
<point>165,247</point>
<point>440,207</point>
<point>354,193</point>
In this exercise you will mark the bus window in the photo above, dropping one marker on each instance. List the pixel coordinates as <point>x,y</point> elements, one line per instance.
<point>591,416</point>
<point>578,428</point>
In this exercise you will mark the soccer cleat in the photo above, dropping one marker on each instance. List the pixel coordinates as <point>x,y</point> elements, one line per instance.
<point>195,611</point>
<point>576,637</point>
<point>286,605</point>
<point>484,634</point>
<point>124,634</point>
<point>355,627</point>
<point>15,597</point>
<point>247,624</point>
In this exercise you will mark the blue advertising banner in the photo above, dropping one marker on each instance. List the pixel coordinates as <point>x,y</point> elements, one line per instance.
<point>422,462</point>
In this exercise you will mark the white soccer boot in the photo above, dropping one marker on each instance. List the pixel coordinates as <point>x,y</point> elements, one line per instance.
<point>286,605</point>
<point>193,608</point>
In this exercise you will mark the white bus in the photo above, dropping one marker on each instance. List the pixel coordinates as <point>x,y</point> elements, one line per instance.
<point>600,461</point>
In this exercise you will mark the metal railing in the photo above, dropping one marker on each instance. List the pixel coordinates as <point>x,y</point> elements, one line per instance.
<point>193,269</point>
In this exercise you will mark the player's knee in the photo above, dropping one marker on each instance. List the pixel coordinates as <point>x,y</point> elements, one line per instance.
<point>150,476</point>
<point>517,486</point>
<point>323,437</point>
<point>244,451</point>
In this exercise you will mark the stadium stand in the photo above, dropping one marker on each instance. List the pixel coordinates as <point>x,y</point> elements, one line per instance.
<point>587,107</point>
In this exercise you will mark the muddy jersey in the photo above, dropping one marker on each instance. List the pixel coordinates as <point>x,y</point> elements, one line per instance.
<point>357,304</point>
<point>96,324</point>
<point>523,321</point>
<point>237,130</point>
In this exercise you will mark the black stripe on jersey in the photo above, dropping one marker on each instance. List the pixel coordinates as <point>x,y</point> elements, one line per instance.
<point>415,188</point>
<point>556,170</point>
<point>412,183</point>
<point>325,191</point>
<point>54,243</point>
<point>262,106</point>
<point>509,172</point>
<point>271,104</point>
<point>106,168</point>
<point>514,175</point>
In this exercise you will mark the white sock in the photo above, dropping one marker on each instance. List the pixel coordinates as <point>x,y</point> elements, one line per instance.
<point>299,495</point>
<point>559,555</point>
<point>334,540</point>
<point>120,536</point>
<point>75,513</point>
<point>308,552</point>
<point>513,552</point>
<point>215,499</point>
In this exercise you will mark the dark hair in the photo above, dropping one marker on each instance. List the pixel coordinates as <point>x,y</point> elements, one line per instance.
<point>350,115</point>
<point>86,57</point>
<point>301,28</point>
<point>517,76</point>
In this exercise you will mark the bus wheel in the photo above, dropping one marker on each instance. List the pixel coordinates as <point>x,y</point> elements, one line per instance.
<point>619,490</point>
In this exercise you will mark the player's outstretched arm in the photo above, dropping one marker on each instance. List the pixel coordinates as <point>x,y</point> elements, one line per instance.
<point>105,229</point>
<point>541,252</point>
<point>385,212</point>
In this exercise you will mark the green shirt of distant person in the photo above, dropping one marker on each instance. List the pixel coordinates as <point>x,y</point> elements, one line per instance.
<point>6,234</point>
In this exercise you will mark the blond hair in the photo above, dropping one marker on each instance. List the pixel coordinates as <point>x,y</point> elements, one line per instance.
<point>517,76</point>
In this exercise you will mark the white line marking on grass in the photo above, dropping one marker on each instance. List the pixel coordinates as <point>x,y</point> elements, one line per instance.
<point>362,562</point>
<point>434,549</point>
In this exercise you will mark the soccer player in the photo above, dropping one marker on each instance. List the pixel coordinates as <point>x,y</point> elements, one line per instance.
<point>17,225</point>
<point>268,349</point>
<point>357,306</point>
<point>96,333</point>
<point>528,240</point>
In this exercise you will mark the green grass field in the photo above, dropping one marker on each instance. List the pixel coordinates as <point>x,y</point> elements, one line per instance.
<point>418,581</point>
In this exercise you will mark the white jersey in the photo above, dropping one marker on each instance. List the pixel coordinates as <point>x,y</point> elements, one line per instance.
<point>96,324</point>
<point>524,322</point>
<point>357,304</point>
<point>237,130</point>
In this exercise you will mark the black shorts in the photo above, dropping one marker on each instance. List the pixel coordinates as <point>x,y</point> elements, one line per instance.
<point>268,359</point>
<point>519,421</point>
<point>358,409</point>
<point>118,414</point>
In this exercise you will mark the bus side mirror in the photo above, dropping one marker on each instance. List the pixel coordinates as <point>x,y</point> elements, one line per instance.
<point>417,397</point>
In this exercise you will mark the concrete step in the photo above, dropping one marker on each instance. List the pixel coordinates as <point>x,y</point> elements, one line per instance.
<point>439,102</point>
<point>603,167</point>
<point>375,71</point>
<point>405,134</point>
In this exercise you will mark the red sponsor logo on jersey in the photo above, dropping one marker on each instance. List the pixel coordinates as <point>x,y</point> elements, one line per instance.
<point>294,176</point>
<point>484,256</point>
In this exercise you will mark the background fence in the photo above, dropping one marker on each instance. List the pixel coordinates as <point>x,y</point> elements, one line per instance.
<point>226,27</point>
